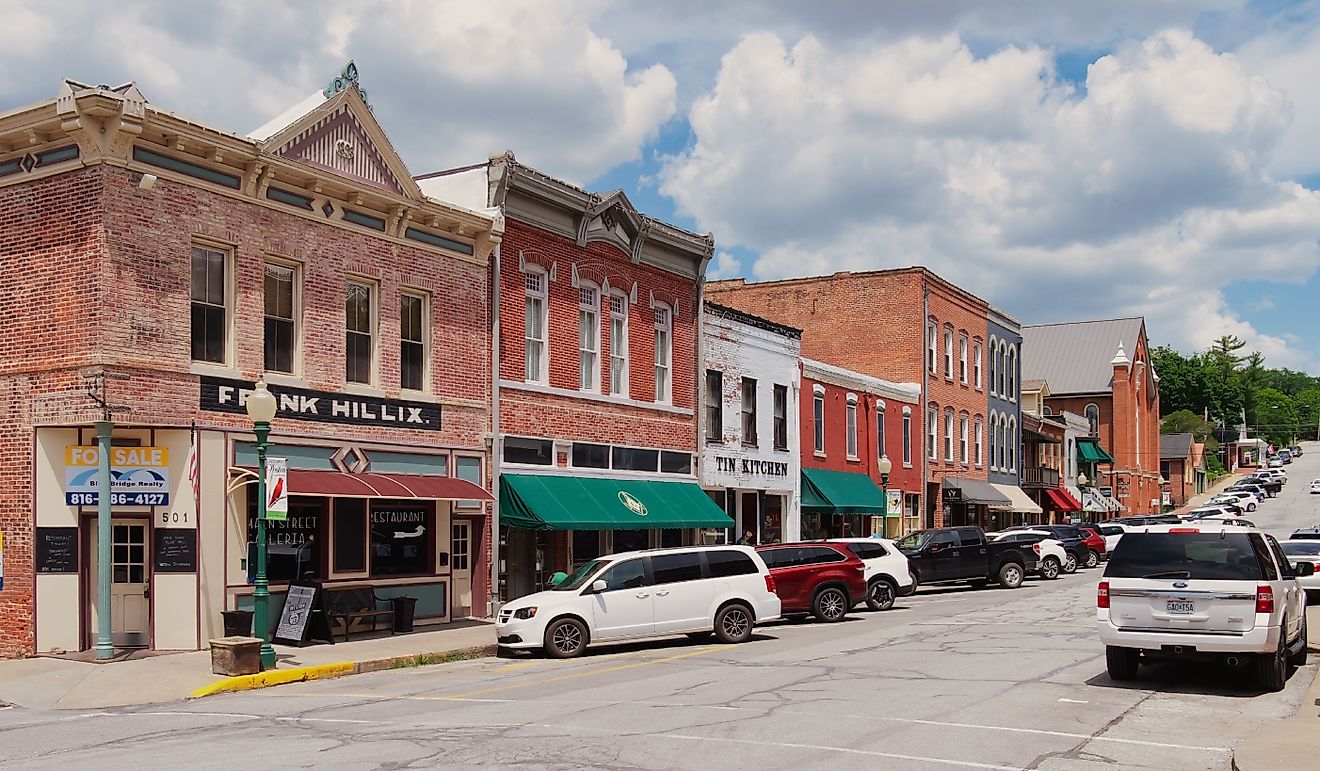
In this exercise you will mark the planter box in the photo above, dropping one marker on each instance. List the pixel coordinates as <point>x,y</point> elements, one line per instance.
<point>236,656</point>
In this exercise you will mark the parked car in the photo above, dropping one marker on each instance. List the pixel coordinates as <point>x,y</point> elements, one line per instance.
<point>699,590</point>
<point>1147,519</point>
<point>1110,531</point>
<point>1285,456</point>
<point>1052,556</point>
<point>1245,500</point>
<point>1212,511</point>
<point>1296,450</point>
<point>962,555</point>
<point>1275,463</point>
<point>1096,543</point>
<point>1311,533</point>
<point>1315,486</point>
<point>1277,473</point>
<point>1305,551</point>
<point>1209,592</point>
<point>1072,539</point>
<point>822,579</point>
<point>887,575</point>
<point>1260,491</point>
<point>1272,484</point>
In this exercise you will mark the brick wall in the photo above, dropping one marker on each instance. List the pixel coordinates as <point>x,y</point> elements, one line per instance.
<point>961,314</point>
<point>568,416</point>
<point>835,457</point>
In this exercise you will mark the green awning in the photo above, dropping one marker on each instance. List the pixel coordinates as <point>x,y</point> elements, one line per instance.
<point>840,492</point>
<point>555,502</point>
<point>1090,451</point>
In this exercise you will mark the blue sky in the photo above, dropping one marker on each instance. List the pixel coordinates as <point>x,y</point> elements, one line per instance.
<point>1062,159</point>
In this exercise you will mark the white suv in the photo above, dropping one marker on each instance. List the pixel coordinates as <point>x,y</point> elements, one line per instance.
<point>1054,559</point>
<point>693,590</point>
<point>1205,590</point>
<point>1247,501</point>
<point>887,574</point>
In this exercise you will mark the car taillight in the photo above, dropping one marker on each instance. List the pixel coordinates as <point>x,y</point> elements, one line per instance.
<point>1264,599</point>
<point>1102,595</point>
<point>770,583</point>
<point>1035,547</point>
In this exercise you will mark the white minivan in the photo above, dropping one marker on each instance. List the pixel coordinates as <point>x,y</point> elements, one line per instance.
<point>694,590</point>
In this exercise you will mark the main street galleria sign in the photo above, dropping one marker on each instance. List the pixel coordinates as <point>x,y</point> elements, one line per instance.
<point>221,395</point>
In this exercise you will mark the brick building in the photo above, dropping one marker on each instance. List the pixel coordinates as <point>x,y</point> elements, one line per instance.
<point>165,266</point>
<point>849,422</point>
<point>1090,373</point>
<point>750,455</point>
<point>871,323</point>
<point>1180,467</point>
<point>599,312</point>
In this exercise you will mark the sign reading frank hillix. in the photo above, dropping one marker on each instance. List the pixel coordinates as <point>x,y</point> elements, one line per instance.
<point>221,395</point>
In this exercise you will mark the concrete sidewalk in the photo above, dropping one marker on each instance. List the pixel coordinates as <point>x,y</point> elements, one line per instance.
<point>59,683</point>
<point>1212,491</point>
<point>1291,743</point>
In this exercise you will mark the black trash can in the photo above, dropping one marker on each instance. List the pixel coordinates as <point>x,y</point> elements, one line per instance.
<point>238,623</point>
<point>404,609</point>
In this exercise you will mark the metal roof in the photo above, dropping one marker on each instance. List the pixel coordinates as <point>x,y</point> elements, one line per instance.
<point>1075,356</point>
<point>1175,446</point>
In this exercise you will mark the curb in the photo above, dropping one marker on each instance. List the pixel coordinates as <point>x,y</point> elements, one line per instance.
<point>342,669</point>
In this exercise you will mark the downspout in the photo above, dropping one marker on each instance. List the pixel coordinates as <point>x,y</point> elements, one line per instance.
<point>699,377</point>
<point>925,402</point>
<point>496,443</point>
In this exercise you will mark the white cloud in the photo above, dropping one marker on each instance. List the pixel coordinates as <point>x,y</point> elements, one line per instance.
<point>725,265</point>
<point>451,81</point>
<point>1288,60</point>
<point>1147,193</point>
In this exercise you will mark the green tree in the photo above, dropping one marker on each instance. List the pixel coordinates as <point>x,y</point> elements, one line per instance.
<point>1275,417</point>
<point>1308,412</point>
<point>1186,422</point>
<point>1183,384</point>
<point>1287,380</point>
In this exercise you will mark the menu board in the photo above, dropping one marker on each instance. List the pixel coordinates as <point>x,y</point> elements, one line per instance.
<point>175,550</point>
<point>57,550</point>
<point>305,616</point>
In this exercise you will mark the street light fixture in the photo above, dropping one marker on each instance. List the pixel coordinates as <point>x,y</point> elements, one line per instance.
<point>885,465</point>
<point>261,406</point>
<point>1082,480</point>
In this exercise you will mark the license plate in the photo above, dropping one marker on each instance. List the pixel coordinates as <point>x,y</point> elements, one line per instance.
<point>1180,606</point>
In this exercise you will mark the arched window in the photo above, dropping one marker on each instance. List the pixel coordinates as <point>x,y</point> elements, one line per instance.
<point>992,354</point>
<point>589,337</point>
<point>994,437</point>
<point>1002,383</point>
<point>1092,414</point>
<point>1012,444</point>
<point>1012,373</point>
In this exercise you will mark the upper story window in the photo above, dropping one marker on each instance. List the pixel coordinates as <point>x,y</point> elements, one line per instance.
<point>589,338</point>
<point>818,417</point>
<point>618,344</point>
<point>1092,414</point>
<point>980,430</point>
<point>210,305</point>
<point>932,431</point>
<point>992,355</point>
<point>907,438</point>
<point>948,354</point>
<point>994,439</point>
<point>536,311</point>
<point>749,411</point>
<point>931,334</point>
<point>948,435</point>
<point>714,405</point>
<point>962,438</point>
<point>281,317</point>
<point>360,324</point>
<point>1012,373</point>
<point>1001,363</point>
<point>962,359</point>
<point>880,449</point>
<point>412,341</point>
<point>664,338</point>
<point>976,362</point>
<point>850,426</point>
<point>781,417</point>
<point>1012,444</point>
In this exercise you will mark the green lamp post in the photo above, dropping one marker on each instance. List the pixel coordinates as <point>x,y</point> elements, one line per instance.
<point>885,466</point>
<point>261,406</point>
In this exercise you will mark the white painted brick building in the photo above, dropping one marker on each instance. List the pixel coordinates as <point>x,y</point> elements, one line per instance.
<point>750,461</point>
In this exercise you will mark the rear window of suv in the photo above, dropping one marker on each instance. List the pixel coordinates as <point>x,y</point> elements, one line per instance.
<point>1203,556</point>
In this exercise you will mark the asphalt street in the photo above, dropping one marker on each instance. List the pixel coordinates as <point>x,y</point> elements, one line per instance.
<point>951,678</point>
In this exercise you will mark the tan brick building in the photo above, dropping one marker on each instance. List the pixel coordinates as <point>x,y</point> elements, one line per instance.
<point>167,265</point>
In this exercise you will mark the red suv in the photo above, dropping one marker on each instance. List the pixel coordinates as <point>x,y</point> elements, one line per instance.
<point>1096,543</point>
<point>824,579</point>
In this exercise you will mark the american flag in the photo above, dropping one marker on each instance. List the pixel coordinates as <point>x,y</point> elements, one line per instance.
<point>194,468</point>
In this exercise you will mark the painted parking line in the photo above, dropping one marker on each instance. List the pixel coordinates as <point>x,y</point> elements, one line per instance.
<point>845,750</point>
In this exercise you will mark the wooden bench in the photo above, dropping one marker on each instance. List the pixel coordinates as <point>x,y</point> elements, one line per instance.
<point>356,604</point>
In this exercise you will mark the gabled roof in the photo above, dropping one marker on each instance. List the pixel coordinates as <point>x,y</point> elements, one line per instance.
<point>334,130</point>
<point>1035,384</point>
<point>1175,446</point>
<point>1075,356</point>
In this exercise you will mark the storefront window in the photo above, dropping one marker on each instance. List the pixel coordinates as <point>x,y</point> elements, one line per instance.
<point>293,545</point>
<point>586,546</point>
<point>631,540</point>
<point>350,528</point>
<point>772,518</point>
<point>534,451</point>
<point>402,538</point>
<point>591,455</point>
<point>812,527</point>
<point>675,462</point>
<point>634,459</point>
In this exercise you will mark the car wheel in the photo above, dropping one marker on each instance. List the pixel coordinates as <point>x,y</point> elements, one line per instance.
<point>916,579</point>
<point>1092,558</point>
<point>1272,668</point>
<point>1251,507</point>
<point>733,624</point>
<point>1010,575</point>
<point>831,604</point>
<point>1070,566</point>
<point>1049,568</point>
<point>565,638</point>
<point>1298,659</point>
<point>1121,662</point>
<point>880,595</point>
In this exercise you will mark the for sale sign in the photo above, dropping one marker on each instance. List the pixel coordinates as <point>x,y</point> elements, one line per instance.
<point>139,476</point>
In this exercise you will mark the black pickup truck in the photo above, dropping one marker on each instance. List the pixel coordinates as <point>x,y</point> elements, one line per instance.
<point>946,555</point>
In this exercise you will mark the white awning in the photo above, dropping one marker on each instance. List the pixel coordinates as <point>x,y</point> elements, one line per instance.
<point>1021,502</point>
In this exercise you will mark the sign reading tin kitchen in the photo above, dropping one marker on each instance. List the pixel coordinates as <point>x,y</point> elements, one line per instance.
<point>729,465</point>
<point>221,395</point>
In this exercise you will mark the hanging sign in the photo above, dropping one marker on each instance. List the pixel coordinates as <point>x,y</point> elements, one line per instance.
<point>221,395</point>
<point>277,489</point>
<point>139,476</point>
<point>894,507</point>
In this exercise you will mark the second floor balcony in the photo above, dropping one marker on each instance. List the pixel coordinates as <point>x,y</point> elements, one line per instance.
<point>1036,477</point>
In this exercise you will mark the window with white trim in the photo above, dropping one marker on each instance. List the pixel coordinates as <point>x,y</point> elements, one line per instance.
<point>1012,373</point>
<point>714,405</point>
<point>850,425</point>
<point>962,359</point>
<point>980,433</point>
<point>1012,444</point>
<point>931,334</point>
<point>994,438</point>
<point>360,326</point>
<point>211,316</point>
<point>589,338</point>
<point>664,338</point>
<point>948,354</point>
<point>907,438</point>
<point>880,430</point>
<point>781,417</point>
<point>281,317</point>
<point>948,434</point>
<point>618,344</point>
<point>932,433</point>
<point>962,438</point>
<point>818,418</point>
<point>412,341</point>
<point>1092,414</point>
<point>976,362</point>
<point>1002,363</point>
<point>536,312</point>
<point>749,411</point>
<point>992,356</point>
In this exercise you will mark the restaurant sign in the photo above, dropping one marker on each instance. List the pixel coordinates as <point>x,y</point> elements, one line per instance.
<point>222,395</point>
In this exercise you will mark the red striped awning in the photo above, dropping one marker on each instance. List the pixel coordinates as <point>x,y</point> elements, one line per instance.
<point>342,485</point>
<point>1060,500</point>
